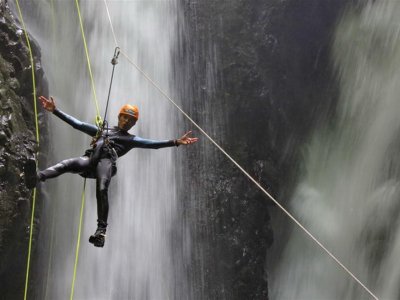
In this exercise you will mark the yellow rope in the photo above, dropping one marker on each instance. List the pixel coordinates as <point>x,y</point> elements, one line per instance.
<point>32,71</point>
<point>37,140</point>
<point>98,117</point>
<point>98,123</point>
<point>79,240</point>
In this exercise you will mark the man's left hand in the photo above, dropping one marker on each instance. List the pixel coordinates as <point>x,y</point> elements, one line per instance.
<point>186,139</point>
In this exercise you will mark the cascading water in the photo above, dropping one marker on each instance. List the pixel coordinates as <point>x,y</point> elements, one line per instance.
<point>349,194</point>
<point>138,259</point>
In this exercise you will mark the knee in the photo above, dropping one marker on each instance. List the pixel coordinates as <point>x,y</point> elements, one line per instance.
<point>103,185</point>
<point>65,164</point>
<point>61,166</point>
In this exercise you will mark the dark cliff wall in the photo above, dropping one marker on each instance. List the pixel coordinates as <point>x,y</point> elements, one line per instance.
<point>17,144</point>
<point>257,76</point>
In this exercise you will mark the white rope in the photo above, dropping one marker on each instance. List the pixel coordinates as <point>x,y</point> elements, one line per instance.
<point>241,168</point>
<point>112,27</point>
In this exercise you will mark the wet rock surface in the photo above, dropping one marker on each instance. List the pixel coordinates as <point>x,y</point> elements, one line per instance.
<point>17,144</point>
<point>257,76</point>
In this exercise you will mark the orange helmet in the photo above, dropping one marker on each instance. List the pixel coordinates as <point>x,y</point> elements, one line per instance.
<point>130,110</point>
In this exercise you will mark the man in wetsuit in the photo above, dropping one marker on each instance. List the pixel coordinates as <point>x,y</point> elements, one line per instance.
<point>99,162</point>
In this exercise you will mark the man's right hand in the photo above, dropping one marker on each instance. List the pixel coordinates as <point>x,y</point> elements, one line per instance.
<point>48,104</point>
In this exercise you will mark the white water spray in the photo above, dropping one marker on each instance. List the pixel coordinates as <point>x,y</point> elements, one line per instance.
<point>138,259</point>
<point>349,195</point>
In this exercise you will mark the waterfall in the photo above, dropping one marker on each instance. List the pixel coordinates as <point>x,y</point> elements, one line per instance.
<point>139,260</point>
<point>349,193</point>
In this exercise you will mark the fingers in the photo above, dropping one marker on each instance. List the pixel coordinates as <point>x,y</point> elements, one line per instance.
<point>47,104</point>
<point>186,140</point>
<point>190,141</point>
<point>43,98</point>
<point>186,134</point>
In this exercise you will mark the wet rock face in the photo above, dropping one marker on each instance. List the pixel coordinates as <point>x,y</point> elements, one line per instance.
<point>17,144</point>
<point>259,78</point>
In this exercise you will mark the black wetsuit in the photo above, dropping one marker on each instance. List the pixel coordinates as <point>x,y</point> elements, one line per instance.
<point>100,161</point>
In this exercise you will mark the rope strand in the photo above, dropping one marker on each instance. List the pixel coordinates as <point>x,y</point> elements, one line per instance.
<point>37,141</point>
<point>112,28</point>
<point>98,117</point>
<point>98,123</point>
<point>78,243</point>
<point>114,61</point>
<point>241,168</point>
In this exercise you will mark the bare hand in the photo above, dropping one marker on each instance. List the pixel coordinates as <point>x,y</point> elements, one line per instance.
<point>47,104</point>
<point>186,140</point>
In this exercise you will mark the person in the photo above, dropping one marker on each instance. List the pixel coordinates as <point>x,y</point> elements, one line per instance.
<point>99,162</point>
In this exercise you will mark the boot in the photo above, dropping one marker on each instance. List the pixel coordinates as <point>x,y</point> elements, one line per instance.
<point>99,237</point>
<point>30,175</point>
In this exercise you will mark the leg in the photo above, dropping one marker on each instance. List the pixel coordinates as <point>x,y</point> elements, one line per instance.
<point>104,174</point>
<point>71,165</point>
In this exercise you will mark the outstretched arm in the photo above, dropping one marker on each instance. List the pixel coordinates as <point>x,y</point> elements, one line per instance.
<point>153,144</point>
<point>49,105</point>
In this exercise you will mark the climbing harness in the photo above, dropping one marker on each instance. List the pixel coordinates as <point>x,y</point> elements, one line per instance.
<point>237,164</point>
<point>37,141</point>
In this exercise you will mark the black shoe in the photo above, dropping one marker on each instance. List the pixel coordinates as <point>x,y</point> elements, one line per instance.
<point>98,238</point>
<point>30,175</point>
